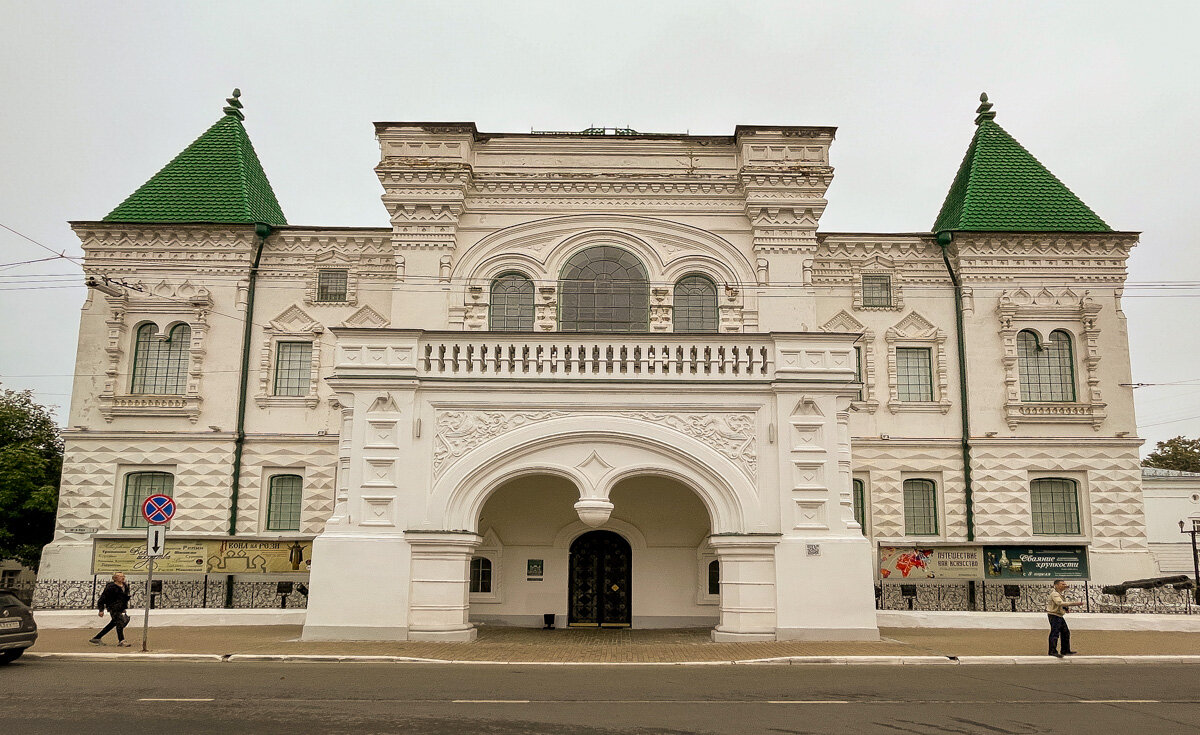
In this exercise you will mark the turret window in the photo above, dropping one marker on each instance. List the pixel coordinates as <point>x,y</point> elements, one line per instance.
<point>1046,367</point>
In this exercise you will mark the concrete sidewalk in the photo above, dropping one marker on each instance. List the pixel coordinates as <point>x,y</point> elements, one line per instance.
<point>526,645</point>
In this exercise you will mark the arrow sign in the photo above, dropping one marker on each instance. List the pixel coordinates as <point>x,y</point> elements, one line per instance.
<point>156,541</point>
<point>158,509</point>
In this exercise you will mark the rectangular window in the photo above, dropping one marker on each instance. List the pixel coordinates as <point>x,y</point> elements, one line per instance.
<point>331,284</point>
<point>138,487</point>
<point>920,508</point>
<point>293,368</point>
<point>914,374</point>
<point>283,503</point>
<point>481,575</point>
<point>1055,506</point>
<point>877,290</point>
<point>858,372</point>
<point>860,504</point>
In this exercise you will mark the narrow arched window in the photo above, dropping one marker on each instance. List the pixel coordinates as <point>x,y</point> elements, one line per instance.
<point>860,503</point>
<point>695,305</point>
<point>160,362</point>
<point>1054,503</point>
<point>481,575</point>
<point>510,308</point>
<point>283,503</point>
<point>1047,368</point>
<point>714,578</point>
<point>138,487</point>
<point>604,289</point>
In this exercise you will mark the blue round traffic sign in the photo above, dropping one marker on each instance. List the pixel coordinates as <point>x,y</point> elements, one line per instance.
<point>158,509</point>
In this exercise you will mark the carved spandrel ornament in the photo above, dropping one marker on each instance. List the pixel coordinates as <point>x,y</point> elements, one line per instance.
<point>732,435</point>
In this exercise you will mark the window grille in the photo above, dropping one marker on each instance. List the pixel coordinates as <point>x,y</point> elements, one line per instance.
<point>860,508</point>
<point>510,307</point>
<point>160,364</point>
<point>914,375</point>
<point>1047,368</point>
<point>920,508</point>
<point>695,307</point>
<point>283,503</point>
<point>1055,506</point>
<point>481,575</point>
<point>876,290</point>
<point>293,368</point>
<point>604,289</point>
<point>138,487</point>
<point>332,284</point>
<point>714,578</point>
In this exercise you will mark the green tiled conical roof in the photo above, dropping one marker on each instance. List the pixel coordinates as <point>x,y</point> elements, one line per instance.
<point>1000,186</point>
<point>218,178</point>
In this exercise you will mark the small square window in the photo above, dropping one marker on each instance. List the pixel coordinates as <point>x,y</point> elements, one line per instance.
<point>332,284</point>
<point>877,290</point>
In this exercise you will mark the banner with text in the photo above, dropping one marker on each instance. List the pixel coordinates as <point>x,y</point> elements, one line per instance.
<point>930,562</point>
<point>1036,562</point>
<point>191,556</point>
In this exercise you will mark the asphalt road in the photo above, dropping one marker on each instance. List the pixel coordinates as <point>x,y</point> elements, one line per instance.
<point>150,698</point>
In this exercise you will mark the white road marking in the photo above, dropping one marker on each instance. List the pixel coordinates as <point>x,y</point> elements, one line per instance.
<point>490,701</point>
<point>165,699</point>
<point>808,701</point>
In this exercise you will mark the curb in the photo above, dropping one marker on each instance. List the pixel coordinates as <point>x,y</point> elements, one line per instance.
<point>779,661</point>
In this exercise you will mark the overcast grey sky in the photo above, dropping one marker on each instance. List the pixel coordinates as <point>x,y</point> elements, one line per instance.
<point>98,96</point>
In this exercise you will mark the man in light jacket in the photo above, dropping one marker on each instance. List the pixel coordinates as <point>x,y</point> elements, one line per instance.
<point>1056,610</point>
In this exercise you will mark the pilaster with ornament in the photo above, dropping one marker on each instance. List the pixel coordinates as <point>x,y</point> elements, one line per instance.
<point>784,175</point>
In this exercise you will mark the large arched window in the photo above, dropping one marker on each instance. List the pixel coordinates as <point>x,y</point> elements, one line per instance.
<point>695,305</point>
<point>1047,368</point>
<point>160,363</point>
<point>510,308</point>
<point>604,289</point>
<point>138,487</point>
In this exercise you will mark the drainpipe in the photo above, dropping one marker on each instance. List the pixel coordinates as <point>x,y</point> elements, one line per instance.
<point>261,232</point>
<point>944,239</point>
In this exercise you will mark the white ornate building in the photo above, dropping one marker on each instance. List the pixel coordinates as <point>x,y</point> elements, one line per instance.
<point>618,378</point>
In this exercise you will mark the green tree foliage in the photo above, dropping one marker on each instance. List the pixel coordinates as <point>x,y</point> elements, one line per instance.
<point>1175,454</point>
<point>31,454</point>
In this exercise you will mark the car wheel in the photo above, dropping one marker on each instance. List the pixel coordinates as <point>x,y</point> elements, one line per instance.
<point>11,655</point>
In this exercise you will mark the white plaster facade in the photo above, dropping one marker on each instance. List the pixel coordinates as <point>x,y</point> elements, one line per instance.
<point>426,440</point>
<point>1171,496</point>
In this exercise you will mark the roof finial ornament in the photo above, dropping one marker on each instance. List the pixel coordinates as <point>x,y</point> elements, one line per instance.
<point>235,105</point>
<point>985,110</point>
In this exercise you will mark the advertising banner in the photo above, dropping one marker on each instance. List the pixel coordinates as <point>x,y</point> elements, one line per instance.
<point>1036,562</point>
<point>259,557</point>
<point>128,555</point>
<point>204,557</point>
<point>930,562</point>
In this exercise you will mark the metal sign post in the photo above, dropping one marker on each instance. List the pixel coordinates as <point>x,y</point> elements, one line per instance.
<point>157,510</point>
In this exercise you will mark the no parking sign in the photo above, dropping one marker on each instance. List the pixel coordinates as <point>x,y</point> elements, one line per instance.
<point>158,509</point>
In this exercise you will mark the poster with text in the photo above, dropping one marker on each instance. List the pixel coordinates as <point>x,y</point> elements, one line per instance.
<point>1036,562</point>
<point>259,557</point>
<point>930,562</point>
<point>110,556</point>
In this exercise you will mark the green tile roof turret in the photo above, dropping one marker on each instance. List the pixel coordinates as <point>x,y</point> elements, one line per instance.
<point>218,179</point>
<point>1000,186</point>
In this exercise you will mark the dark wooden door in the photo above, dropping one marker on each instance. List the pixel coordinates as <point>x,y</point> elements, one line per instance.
<point>599,584</point>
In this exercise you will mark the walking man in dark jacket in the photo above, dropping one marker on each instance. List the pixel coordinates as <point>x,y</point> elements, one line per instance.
<point>114,599</point>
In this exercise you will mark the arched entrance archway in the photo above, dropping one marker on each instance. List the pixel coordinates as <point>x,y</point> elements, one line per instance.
<point>599,587</point>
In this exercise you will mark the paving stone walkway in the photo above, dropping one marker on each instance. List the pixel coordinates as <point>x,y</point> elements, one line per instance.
<point>625,646</point>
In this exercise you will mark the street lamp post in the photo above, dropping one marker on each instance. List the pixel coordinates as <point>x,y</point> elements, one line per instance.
<point>1195,557</point>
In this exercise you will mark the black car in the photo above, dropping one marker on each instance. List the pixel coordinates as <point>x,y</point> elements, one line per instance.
<point>18,630</point>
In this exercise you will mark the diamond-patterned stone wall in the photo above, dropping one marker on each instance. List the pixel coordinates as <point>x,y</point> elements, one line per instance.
<point>315,460</point>
<point>1111,491</point>
<point>891,462</point>
<point>92,488</point>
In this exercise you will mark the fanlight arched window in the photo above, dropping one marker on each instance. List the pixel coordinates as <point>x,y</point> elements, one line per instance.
<point>160,363</point>
<point>1047,367</point>
<point>510,308</point>
<point>604,289</point>
<point>695,305</point>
